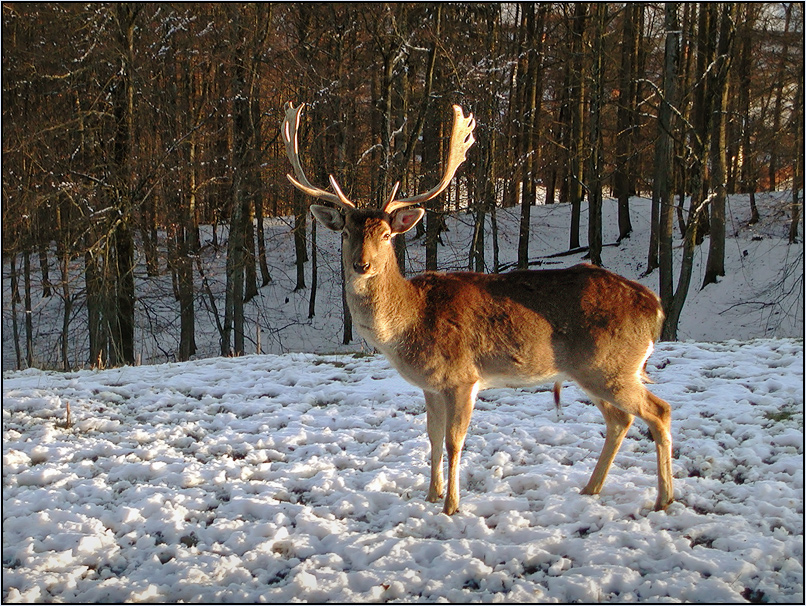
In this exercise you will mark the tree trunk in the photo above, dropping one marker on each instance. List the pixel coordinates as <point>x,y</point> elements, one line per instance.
<point>187,317</point>
<point>43,238</point>
<point>534,85</point>
<point>15,299</point>
<point>29,321</point>
<point>68,309</point>
<point>239,214</point>
<point>779,96</point>
<point>250,265</point>
<point>577,101</point>
<point>701,117</point>
<point>121,317</point>
<point>234,299</point>
<point>148,233</point>
<point>183,268</point>
<point>314,273</point>
<point>797,164</point>
<point>669,332</point>
<point>95,310</point>
<point>300,243</point>
<point>596,159</point>
<point>660,253</point>
<point>122,351</point>
<point>265,275</point>
<point>476,262</point>
<point>347,334</point>
<point>626,114</point>
<point>494,235</point>
<point>433,155</point>
<point>715,265</point>
<point>744,70</point>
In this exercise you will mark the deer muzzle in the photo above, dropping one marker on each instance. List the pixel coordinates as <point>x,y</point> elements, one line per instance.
<point>361,268</point>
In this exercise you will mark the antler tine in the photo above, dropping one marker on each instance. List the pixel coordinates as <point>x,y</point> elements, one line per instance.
<point>289,130</point>
<point>461,140</point>
<point>342,198</point>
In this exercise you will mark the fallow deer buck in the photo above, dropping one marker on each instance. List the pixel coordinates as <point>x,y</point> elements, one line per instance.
<point>452,334</point>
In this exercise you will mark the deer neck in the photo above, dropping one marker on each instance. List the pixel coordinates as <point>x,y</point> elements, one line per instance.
<point>384,305</point>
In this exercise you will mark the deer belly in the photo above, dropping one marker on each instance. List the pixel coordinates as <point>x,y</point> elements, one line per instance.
<point>516,371</point>
<point>513,381</point>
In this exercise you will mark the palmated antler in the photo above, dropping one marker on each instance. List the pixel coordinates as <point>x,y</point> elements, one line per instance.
<point>461,140</point>
<point>289,131</point>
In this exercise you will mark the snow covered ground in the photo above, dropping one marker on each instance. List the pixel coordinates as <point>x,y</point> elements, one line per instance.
<point>302,477</point>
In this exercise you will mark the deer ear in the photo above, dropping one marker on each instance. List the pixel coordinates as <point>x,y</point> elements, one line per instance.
<point>405,218</point>
<point>329,217</point>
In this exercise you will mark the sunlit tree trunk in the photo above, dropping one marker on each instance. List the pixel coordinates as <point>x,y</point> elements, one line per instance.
<point>662,190</point>
<point>577,101</point>
<point>533,104</point>
<point>779,98</point>
<point>715,265</point>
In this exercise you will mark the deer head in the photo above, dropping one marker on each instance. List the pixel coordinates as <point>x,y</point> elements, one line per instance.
<point>372,228</point>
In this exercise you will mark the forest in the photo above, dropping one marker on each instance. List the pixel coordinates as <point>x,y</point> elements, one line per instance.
<point>127,128</point>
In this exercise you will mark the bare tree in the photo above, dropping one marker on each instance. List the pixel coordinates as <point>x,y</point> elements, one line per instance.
<point>577,132</point>
<point>596,159</point>
<point>797,164</point>
<point>632,27</point>
<point>718,89</point>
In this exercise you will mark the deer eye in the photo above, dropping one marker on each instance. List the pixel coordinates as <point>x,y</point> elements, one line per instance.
<point>386,236</point>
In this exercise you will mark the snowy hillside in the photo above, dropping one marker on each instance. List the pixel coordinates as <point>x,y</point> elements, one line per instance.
<point>302,477</point>
<point>761,295</point>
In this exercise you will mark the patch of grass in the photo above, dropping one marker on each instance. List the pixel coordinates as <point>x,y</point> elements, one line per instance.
<point>779,415</point>
<point>789,412</point>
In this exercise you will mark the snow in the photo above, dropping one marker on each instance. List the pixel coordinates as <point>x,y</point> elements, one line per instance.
<point>302,477</point>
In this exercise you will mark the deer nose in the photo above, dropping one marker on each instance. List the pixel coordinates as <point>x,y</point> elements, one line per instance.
<point>361,268</point>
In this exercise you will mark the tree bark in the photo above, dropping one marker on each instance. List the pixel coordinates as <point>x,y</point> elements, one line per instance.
<point>660,253</point>
<point>779,96</point>
<point>626,114</point>
<point>531,151</point>
<point>121,318</point>
<point>314,273</point>
<point>577,101</point>
<point>596,158</point>
<point>715,265</point>
<point>797,164</point>
<point>29,321</point>
<point>744,70</point>
<point>15,299</point>
<point>701,117</point>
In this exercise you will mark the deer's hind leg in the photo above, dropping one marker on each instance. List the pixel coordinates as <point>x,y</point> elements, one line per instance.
<point>632,398</point>
<point>618,422</point>
<point>657,414</point>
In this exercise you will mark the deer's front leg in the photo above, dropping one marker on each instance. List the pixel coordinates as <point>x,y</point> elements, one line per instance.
<point>458,408</point>
<point>435,422</point>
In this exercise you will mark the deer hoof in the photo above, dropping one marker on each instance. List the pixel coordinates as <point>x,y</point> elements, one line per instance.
<point>663,505</point>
